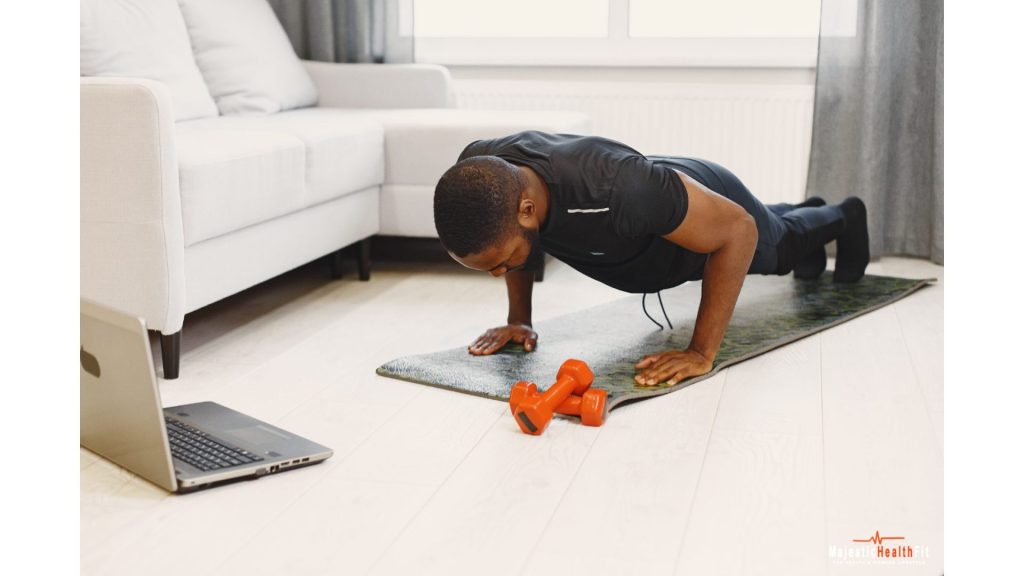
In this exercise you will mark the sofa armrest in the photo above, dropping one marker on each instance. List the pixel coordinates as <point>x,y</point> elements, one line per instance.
<point>132,241</point>
<point>381,85</point>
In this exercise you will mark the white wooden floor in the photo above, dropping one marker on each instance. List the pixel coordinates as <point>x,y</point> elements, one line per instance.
<point>758,470</point>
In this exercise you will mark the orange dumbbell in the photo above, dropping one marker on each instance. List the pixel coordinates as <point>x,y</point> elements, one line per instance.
<point>589,407</point>
<point>534,411</point>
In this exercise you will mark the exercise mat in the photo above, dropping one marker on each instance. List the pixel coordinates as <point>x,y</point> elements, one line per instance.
<point>772,311</point>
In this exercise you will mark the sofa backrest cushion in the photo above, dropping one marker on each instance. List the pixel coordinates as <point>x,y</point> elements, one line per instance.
<point>246,57</point>
<point>144,39</point>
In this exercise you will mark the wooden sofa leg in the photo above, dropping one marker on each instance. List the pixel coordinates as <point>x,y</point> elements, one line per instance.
<point>364,259</point>
<point>170,349</point>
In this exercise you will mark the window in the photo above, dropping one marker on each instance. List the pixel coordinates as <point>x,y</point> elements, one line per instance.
<point>724,18</point>
<point>503,19</point>
<point>780,33</point>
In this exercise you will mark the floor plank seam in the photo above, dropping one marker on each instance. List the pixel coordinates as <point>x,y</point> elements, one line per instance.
<point>554,512</point>
<point>412,519</point>
<point>324,477</point>
<point>329,292</point>
<point>821,405</point>
<point>700,471</point>
<point>313,395</point>
<point>917,380</point>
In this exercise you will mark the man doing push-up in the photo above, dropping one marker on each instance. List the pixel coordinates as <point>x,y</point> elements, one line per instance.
<point>637,223</point>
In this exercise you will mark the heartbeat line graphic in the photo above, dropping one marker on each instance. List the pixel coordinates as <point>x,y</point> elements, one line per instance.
<point>878,538</point>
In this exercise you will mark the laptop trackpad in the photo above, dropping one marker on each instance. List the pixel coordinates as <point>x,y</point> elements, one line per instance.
<point>258,435</point>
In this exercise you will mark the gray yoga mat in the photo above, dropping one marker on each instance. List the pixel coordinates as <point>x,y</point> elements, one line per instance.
<point>772,311</point>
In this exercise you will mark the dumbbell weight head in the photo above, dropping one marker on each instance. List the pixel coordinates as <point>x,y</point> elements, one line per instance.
<point>589,407</point>
<point>592,407</point>
<point>579,372</point>
<point>520,391</point>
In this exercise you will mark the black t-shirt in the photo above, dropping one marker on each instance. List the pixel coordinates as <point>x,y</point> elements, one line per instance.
<point>609,207</point>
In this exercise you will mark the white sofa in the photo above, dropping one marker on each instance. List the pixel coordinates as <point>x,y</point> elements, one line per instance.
<point>179,213</point>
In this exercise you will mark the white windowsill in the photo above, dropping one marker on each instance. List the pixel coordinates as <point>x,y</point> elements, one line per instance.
<point>654,52</point>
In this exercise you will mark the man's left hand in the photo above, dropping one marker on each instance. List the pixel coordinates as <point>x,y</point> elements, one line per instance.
<point>671,367</point>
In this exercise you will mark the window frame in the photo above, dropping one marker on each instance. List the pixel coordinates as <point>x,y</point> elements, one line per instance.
<point>619,49</point>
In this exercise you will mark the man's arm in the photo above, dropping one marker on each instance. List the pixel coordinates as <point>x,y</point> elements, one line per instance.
<point>520,296</point>
<point>520,317</point>
<point>719,227</point>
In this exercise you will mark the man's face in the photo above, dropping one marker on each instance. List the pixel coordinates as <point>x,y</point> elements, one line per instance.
<point>517,252</point>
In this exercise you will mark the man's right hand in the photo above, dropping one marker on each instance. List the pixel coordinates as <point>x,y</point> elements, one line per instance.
<point>492,340</point>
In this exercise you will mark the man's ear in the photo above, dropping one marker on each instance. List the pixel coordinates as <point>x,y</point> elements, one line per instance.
<point>527,210</point>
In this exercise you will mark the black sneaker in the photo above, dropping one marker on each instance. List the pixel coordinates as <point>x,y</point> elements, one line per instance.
<point>852,246</point>
<point>813,263</point>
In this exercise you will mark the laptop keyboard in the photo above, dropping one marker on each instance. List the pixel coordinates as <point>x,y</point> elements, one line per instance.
<point>201,450</point>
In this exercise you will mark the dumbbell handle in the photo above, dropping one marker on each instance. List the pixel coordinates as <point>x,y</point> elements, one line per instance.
<point>558,393</point>
<point>570,406</point>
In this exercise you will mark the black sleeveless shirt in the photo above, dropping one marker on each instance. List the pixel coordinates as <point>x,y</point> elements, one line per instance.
<point>609,207</point>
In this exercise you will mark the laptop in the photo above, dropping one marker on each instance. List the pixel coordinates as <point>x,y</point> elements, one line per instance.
<point>181,448</point>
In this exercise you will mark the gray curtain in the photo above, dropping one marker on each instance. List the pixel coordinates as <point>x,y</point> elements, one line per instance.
<point>345,30</point>
<point>878,130</point>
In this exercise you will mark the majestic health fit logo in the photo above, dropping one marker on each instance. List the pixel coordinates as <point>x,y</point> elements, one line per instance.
<point>884,551</point>
<point>878,549</point>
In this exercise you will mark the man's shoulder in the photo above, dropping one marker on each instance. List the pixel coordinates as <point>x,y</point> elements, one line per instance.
<point>494,146</point>
<point>547,143</point>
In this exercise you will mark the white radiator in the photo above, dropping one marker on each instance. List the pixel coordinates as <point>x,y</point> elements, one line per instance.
<point>760,132</point>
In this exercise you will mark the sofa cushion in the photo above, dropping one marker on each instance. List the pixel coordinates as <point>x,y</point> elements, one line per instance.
<point>144,39</point>
<point>420,144</point>
<point>230,179</point>
<point>343,153</point>
<point>246,57</point>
